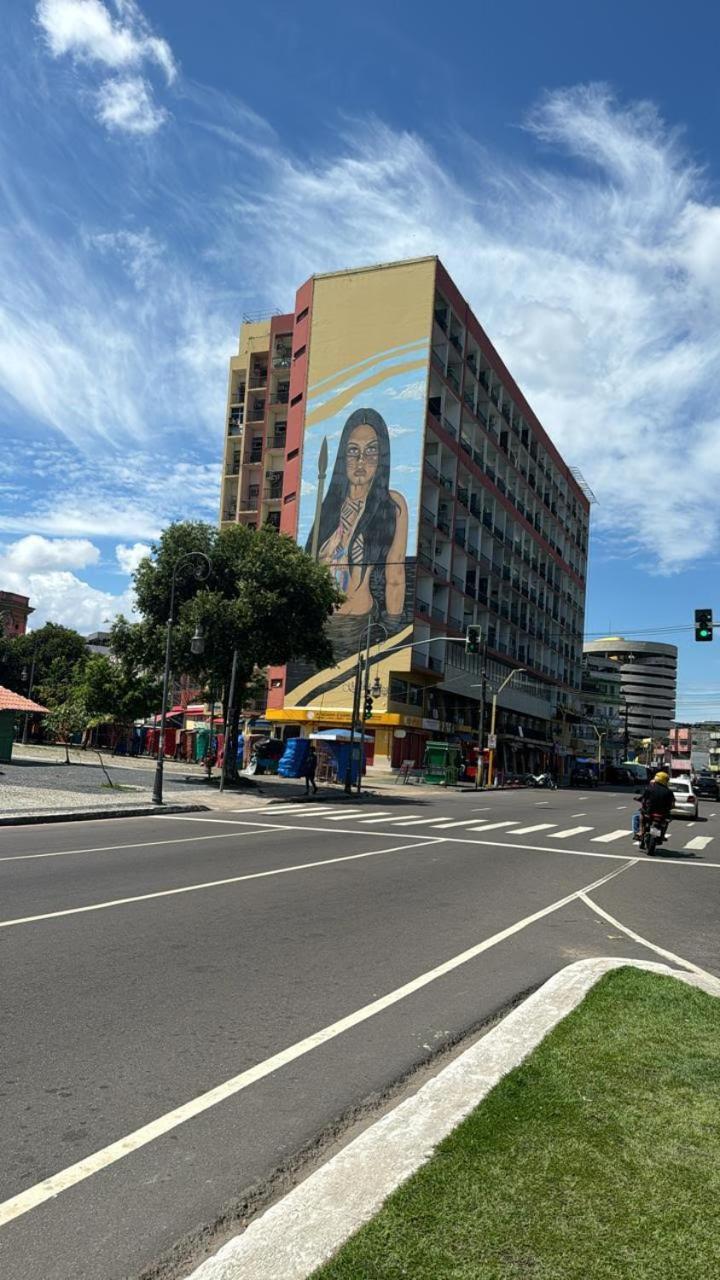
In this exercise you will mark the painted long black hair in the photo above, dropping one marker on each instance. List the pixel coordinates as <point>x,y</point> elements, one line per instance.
<point>378,521</point>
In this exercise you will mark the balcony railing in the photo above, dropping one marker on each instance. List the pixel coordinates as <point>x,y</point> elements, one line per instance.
<point>438,614</point>
<point>282,361</point>
<point>440,570</point>
<point>273,492</point>
<point>277,442</point>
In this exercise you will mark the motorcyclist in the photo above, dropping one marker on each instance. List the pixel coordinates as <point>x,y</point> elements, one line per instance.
<point>656,798</point>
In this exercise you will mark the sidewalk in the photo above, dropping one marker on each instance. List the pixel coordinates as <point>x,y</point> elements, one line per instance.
<point>40,786</point>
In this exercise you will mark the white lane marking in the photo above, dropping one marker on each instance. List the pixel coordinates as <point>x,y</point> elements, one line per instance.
<point>622,806</point>
<point>208,884</point>
<point>489,826</point>
<point>537,826</point>
<point>571,831</point>
<point>491,844</point>
<point>644,942</point>
<point>466,822</point>
<point>413,822</point>
<point>542,804</point>
<point>142,844</point>
<point>583,797</point>
<point>699,842</point>
<point>578,815</point>
<point>483,808</point>
<point>612,835</point>
<point>75,1173</point>
<point>374,813</point>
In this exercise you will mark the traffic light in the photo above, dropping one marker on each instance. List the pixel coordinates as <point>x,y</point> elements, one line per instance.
<point>703,624</point>
<point>368,706</point>
<point>473,638</point>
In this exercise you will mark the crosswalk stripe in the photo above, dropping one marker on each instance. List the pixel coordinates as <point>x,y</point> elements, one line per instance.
<point>293,808</point>
<point>466,822</point>
<point>414,822</point>
<point>489,826</point>
<point>353,813</point>
<point>611,835</point>
<point>400,817</point>
<point>699,842</point>
<point>537,826</point>
<point>565,835</point>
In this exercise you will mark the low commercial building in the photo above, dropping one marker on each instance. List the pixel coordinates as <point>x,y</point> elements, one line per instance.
<point>378,426</point>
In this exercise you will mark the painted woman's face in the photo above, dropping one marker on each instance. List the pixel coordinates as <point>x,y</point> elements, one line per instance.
<point>362,454</point>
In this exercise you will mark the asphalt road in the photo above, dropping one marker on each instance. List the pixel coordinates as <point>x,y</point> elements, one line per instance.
<point>189,1002</point>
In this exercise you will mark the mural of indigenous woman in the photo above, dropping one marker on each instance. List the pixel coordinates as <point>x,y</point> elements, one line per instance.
<point>361,533</point>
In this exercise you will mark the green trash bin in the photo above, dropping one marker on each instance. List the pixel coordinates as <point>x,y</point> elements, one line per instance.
<point>442,763</point>
<point>7,728</point>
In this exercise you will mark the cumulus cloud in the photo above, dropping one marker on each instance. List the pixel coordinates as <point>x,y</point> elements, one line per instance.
<point>87,31</point>
<point>40,568</point>
<point>129,557</point>
<point>38,553</point>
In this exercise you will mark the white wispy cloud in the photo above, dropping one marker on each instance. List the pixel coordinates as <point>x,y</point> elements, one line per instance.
<point>594,265</point>
<point>87,32</point>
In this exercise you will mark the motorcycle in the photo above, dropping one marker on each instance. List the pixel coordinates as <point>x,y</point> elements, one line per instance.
<point>653,832</point>
<point>544,780</point>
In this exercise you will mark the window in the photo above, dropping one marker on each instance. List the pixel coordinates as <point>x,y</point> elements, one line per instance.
<point>300,352</point>
<point>296,399</point>
<point>292,454</point>
<point>301,315</point>
<point>398,689</point>
<point>290,497</point>
<point>415,695</point>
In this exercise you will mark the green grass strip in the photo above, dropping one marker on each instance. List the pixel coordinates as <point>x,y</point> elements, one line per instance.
<point>597,1159</point>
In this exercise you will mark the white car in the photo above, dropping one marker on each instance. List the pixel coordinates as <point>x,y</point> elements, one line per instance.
<point>685,798</point>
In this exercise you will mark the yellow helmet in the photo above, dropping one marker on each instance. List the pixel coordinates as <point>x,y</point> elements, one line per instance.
<point>662,777</point>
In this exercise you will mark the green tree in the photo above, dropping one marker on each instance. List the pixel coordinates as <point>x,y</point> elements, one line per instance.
<point>57,652</point>
<point>115,692</point>
<point>66,719</point>
<point>263,598</point>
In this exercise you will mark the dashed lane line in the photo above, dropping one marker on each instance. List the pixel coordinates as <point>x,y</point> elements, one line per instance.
<point>51,1187</point>
<point>209,884</point>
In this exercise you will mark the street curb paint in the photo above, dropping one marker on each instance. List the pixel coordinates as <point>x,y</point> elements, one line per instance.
<point>307,1227</point>
<point>86,815</point>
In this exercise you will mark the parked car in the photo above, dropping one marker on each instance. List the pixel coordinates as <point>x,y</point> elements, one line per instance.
<point>581,776</point>
<point>706,786</point>
<point>685,799</point>
<point>619,774</point>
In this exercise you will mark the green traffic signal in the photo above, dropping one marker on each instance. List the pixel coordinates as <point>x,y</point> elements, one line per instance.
<point>703,624</point>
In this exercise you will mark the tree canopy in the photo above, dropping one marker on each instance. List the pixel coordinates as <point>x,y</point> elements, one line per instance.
<point>263,597</point>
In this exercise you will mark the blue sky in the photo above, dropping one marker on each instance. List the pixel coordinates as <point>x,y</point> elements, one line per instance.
<point>164,168</point>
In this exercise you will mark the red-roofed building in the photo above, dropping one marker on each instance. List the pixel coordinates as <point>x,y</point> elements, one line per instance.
<point>10,704</point>
<point>14,613</point>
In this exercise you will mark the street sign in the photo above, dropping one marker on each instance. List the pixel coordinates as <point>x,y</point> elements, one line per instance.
<point>492,741</point>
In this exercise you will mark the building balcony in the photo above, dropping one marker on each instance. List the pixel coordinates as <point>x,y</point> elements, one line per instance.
<point>273,492</point>
<point>438,614</point>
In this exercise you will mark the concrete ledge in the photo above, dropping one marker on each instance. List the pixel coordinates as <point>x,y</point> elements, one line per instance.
<point>86,815</point>
<point>304,1229</point>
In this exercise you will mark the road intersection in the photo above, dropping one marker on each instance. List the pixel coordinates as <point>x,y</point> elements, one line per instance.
<point>195,1002</point>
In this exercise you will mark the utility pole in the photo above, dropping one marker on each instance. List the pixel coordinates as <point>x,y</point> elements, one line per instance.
<point>480,770</point>
<point>229,716</point>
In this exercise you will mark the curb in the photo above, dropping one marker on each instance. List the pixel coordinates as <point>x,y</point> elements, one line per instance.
<point>307,1227</point>
<point>86,815</point>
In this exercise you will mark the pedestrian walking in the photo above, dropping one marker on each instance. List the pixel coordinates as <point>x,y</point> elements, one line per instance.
<point>309,771</point>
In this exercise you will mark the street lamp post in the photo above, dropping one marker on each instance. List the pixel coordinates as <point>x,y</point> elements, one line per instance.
<point>197,644</point>
<point>31,681</point>
<point>364,698</point>
<point>491,755</point>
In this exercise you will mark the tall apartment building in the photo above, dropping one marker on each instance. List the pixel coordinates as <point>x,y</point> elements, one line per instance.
<point>648,676</point>
<point>378,426</point>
